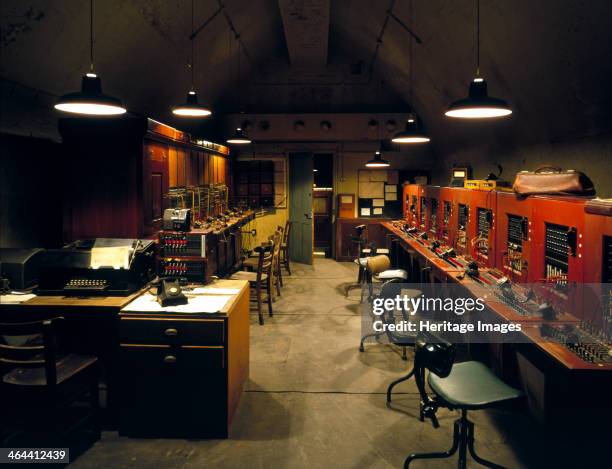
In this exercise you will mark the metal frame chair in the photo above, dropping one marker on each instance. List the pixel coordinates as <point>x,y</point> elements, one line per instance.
<point>464,386</point>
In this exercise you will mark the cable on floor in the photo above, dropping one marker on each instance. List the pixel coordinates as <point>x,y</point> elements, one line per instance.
<point>289,391</point>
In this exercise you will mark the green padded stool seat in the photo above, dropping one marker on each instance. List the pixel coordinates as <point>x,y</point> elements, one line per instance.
<point>471,385</point>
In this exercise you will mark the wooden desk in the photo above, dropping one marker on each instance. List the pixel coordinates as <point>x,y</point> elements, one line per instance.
<point>346,249</point>
<point>95,326</point>
<point>90,328</point>
<point>456,274</point>
<point>182,374</point>
<point>421,249</point>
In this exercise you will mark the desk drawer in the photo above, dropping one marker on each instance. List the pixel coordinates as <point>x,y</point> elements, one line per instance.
<point>172,331</point>
<point>158,361</point>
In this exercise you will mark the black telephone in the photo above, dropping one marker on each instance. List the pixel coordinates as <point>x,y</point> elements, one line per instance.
<point>169,293</point>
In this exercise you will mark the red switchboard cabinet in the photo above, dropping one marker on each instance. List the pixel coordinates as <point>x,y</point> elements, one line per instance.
<point>513,252</point>
<point>411,203</point>
<point>598,244</point>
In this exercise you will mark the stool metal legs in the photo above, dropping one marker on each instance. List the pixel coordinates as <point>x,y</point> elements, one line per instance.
<point>358,284</point>
<point>398,381</point>
<point>373,334</point>
<point>463,440</point>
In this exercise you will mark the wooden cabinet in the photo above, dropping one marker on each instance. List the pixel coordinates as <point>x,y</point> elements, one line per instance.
<point>346,249</point>
<point>118,172</point>
<point>181,375</point>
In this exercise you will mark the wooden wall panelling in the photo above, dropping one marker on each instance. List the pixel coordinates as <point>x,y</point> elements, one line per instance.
<point>117,172</point>
<point>181,167</point>
<point>346,250</point>
<point>155,184</point>
<point>172,167</point>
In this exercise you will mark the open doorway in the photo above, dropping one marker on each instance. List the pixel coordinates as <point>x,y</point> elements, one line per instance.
<point>322,203</point>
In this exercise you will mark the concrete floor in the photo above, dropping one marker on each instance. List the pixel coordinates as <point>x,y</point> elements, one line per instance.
<point>314,401</point>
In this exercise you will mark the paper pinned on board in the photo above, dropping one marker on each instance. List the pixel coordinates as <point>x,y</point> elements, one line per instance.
<point>365,212</point>
<point>390,188</point>
<point>391,196</point>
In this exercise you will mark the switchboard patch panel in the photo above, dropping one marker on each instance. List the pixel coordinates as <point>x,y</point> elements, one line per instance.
<point>462,217</point>
<point>483,226</point>
<point>484,222</point>
<point>194,270</point>
<point>462,220</point>
<point>423,211</point>
<point>556,251</point>
<point>433,216</point>
<point>606,273</point>
<point>182,244</point>
<point>517,232</point>
<point>446,216</point>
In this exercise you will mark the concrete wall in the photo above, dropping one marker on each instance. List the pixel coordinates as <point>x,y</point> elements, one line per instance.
<point>349,158</point>
<point>592,155</point>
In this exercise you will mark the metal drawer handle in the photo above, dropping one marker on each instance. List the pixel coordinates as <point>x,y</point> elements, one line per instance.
<point>169,359</point>
<point>171,332</point>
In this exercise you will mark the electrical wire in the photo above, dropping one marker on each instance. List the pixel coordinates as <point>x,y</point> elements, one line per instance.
<point>91,56</point>
<point>477,35</point>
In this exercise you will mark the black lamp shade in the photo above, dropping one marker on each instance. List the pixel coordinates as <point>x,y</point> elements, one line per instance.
<point>478,105</point>
<point>239,138</point>
<point>191,107</point>
<point>377,162</point>
<point>412,133</point>
<point>90,100</point>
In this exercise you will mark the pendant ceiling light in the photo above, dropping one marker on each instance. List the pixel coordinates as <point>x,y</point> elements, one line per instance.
<point>377,161</point>
<point>191,107</point>
<point>90,100</point>
<point>239,137</point>
<point>412,133</point>
<point>478,105</point>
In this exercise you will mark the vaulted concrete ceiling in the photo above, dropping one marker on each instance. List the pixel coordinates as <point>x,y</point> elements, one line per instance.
<point>549,58</point>
<point>306,26</point>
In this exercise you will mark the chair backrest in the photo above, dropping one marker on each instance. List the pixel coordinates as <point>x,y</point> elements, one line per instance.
<point>28,355</point>
<point>277,237</point>
<point>264,263</point>
<point>286,233</point>
<point>378,264</point>
<point>359,236</point>
<point>436,355</point>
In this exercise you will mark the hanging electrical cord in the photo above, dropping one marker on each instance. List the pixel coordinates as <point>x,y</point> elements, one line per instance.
<point>477,36</point>
<point>230,24</point>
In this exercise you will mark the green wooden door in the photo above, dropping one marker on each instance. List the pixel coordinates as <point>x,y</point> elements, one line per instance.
<point>300,206</point>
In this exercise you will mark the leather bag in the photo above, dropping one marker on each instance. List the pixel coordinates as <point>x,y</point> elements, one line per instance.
<point>554,181</point>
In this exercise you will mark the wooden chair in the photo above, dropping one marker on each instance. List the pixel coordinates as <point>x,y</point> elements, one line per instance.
<point>284,258</point>
<point>39,386</point>
<point>261,279</point>
<point>251,262</point>
<point>278,264</point>
<point>276,276</point>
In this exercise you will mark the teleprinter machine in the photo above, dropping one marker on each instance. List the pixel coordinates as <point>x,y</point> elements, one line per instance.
<point>98,267</point>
